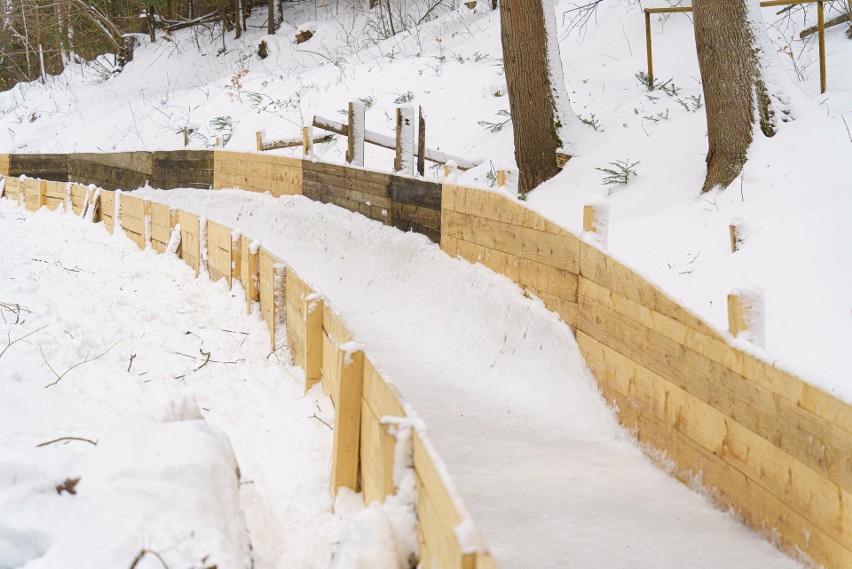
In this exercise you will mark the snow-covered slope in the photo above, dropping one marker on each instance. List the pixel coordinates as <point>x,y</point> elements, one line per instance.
<point>110,345</point>
<point>792,199</point>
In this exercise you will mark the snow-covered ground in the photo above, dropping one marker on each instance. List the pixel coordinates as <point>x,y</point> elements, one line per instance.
<point>504,392</point>
<point>792,200</point>
<point>103,342</point>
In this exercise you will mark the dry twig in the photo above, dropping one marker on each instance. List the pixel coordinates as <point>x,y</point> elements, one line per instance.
<point>11,342</point>
<point>60,439</point>
<point>59,376</point>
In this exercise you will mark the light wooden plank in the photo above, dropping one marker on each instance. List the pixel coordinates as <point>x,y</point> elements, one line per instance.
<point>190,245</point>
<point>802,435</point>
<point>731,488</point>
<point>531,244</point>
<point>219,251</point>
<point>313,356</point>
<point>813,497</point>
<point>345,459</point>
<point>106,209</point>
<point>267,262</point>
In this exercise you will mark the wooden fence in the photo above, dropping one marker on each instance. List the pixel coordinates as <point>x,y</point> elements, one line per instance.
<point>321,343</point>
<point>769,445</point>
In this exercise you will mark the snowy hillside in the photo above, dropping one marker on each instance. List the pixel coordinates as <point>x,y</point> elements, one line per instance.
<point>791,201</point>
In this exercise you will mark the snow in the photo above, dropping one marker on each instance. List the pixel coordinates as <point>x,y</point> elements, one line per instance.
<point>568,475</point>
<point>171,431</point>
<point>500,384</point>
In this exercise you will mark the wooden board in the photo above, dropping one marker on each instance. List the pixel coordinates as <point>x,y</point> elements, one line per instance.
<point>163,219</point>
<point>132,218</point>
<point>335,333</point>
<point>4,165</point>
<point>345,458</point>
<point>106,209</point>
<point>13,189</point>
<point>34,193</point>
<point>55,195</point>
<point>278,175</point>
<point>377,444</point>
<point>190,249</point>
<point>219,257</point>
<point>267,292</point>
<point>437,511</point>
<point>78,197</point>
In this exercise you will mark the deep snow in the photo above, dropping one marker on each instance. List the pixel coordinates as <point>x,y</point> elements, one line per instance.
<point>549,476</point>
<point>170,431</point>
<point>793,197</point>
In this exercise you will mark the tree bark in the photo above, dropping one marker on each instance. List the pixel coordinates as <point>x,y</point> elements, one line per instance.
<point>272,22</point>
<point>533,83</point>
<point>735,92</point>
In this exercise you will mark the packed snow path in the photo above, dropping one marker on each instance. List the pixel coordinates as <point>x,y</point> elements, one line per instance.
<point>549,476</point>
<point>159,478</point>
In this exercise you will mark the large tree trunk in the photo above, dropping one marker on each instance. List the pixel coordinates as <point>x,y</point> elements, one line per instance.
<point>735,92</point>
<point>537,96</point>
<point>272,20</point>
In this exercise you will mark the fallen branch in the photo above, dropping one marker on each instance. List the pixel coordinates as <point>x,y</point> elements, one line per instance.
<point>314,416</point>
<point>291,142</point>
<point>78,364</point>
<point>145,552</point>
<point>829,24</point>
<point>60,439</point>
<point>11,342</point>
<point>132,357</point>
<point>208,359</point>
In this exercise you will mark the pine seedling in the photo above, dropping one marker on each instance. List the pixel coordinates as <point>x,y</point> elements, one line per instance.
<point>496,126</point>
<point>619,174</point>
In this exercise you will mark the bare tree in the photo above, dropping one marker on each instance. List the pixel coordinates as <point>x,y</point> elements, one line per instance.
<point>537,96</point>
<point>729,35</point>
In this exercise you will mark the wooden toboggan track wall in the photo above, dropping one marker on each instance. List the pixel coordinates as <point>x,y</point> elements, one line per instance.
<point>769,445</point>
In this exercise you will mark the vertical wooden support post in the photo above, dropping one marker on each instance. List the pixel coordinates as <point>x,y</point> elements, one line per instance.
<point>42,193</point>
<point>347,420</point>
<point>648,49</point>
<point>403,163</point>
<point>236,256</point>
<point>589,218</point>
<point>185,136</point>
<point>279,306</point>
<point>307,140</point>
<point>355,134</point>
<point>596,220</point>
<point>736,238</point>
<point>421,142</point>
<point>146,224</point>
<point>313,341</point>
<point>259,139</point>
<point>253,276</point>
<point>501,178</point>
<point>745,315</point>
<point>821,29</point>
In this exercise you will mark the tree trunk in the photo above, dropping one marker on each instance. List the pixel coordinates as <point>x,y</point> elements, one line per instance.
<point>149,17</point>
<point>238,18</point>
<point>729,58</point>
<point>271,28</point>
<point>537,94</point>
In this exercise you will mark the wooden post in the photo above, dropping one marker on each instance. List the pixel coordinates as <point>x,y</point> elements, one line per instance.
<point>404,162</point>
<point>355,137</point>
<point>449,169</point>
<point>253,284</point>
<point>648,49</point>
<point>258,138</point>
<point>236,256</point>
<point>589,218</point>
<point>501,178</point>
<point>42,193</point>
<point>421,142</point>
<point>347,421</point>
<point>736,237</point>
<point>146,224</point>
<point>307,140</point>
<point>745,315</point>
<point>279,306</point>
<point>185,136</point>
<point>313,341</point>
<point>821,27</point>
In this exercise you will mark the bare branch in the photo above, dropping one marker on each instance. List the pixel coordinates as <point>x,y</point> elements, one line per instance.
<point>59,376</point>
<point>11,342</point>
<point>60,439</point>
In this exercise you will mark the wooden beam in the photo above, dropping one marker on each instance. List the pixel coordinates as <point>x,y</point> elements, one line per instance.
<point>388,142</point>
<point>347,420</point>
<point>253,284</point>
<point>313,341</point>
<point>421,142</point>
<point>404,161</point>
<point>355,136</point>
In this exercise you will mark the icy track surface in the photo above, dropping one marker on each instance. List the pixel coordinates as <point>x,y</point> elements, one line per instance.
<point>549,476</point>
<point>163,476</point>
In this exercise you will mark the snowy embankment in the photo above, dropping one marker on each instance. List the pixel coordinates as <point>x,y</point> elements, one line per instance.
<point>176,385</point>
<point>549,476</point>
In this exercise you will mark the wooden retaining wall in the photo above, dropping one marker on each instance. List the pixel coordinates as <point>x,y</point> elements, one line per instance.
<point>770,446</point>
<point>321,342</point>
